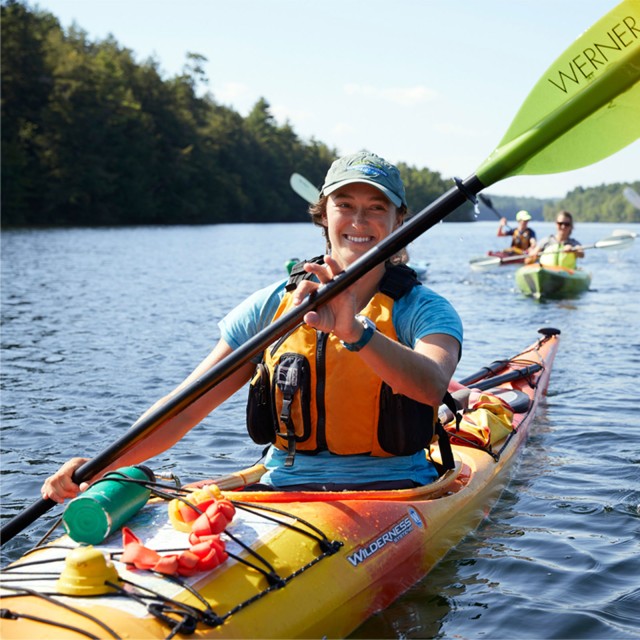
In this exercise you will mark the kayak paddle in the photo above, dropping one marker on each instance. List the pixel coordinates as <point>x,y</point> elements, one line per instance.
<point>582,110</point>
<point>304,188</point>
<point>617,241</point>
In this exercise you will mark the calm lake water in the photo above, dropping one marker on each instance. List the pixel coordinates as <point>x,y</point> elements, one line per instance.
<point>98,324</point>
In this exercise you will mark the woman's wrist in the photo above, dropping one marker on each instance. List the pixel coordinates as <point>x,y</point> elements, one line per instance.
<point>368,329</point>
<point>355,332</point>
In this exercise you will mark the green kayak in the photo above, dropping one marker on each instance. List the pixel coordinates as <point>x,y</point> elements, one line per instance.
<point>551,282</point>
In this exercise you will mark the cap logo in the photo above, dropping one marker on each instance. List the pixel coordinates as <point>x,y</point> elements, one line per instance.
<point>369,170</point>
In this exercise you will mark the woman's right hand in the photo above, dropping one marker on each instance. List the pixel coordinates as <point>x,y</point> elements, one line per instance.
<point>60,485</point>
<point>338,314</point>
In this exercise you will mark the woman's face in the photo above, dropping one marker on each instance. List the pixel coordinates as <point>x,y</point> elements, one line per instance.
<point>564,227</point>
<point>358,217</point>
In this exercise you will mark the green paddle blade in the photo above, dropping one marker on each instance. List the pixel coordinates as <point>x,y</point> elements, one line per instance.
<point>583,109</point>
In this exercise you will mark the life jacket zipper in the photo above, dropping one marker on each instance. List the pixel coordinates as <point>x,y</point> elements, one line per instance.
<point>321,378</point>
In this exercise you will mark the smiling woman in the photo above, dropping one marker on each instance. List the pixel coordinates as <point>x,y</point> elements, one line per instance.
<point>346,599</point>
<point>561,248</point>
<point>386,347</point>
<point>368,202</point>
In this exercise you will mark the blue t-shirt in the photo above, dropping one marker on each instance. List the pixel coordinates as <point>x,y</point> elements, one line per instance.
<point>419,313</point>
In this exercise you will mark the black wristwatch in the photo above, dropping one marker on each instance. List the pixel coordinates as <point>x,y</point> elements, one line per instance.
<point>369,329</point>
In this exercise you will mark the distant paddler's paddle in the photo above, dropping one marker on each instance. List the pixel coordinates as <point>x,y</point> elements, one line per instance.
<point>486,201</point>
<point>632,196</point>
<point>304,188</point>
<point>617,242</point>
<point>584,108</point>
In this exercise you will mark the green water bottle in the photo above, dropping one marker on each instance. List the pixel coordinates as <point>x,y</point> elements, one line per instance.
<point>107,504</point>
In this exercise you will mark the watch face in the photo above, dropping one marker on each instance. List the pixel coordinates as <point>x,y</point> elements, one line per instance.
<point>367,323</point>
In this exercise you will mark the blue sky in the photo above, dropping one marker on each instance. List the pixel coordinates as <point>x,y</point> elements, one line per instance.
<point>434,83</point>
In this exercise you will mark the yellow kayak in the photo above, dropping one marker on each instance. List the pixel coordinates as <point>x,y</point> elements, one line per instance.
<point>300,564</point>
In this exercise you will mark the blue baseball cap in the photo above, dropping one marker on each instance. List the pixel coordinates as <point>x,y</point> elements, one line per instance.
<point>370,169</point>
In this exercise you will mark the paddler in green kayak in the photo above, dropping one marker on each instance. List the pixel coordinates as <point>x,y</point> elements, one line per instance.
<point>349,398</point>
<point>559,249</point>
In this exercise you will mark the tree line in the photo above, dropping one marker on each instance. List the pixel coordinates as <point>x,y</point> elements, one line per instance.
<point>605,203</point>
<point>92,137</point>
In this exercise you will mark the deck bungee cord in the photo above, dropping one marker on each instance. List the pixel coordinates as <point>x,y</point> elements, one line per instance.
<point>470,432</point>
<point>178,616</point>
<point>8,614</point>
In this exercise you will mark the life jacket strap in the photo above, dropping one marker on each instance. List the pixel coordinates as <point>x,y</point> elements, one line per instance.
<point>446,453</point>
<point>290,435</point>
<point>397,281</point>
<point>288,379</point>
<point>298,274</point>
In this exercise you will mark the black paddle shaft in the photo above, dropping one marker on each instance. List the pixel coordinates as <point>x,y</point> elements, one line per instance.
<point>400,238</point>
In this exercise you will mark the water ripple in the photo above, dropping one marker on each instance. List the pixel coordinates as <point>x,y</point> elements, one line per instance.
<point>97,324</point>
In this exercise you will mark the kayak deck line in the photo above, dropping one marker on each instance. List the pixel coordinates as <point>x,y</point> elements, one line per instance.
<point>351,553</point>
<point>186,617</point>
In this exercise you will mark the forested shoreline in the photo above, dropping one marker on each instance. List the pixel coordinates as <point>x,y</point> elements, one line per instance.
<point>93,137</point>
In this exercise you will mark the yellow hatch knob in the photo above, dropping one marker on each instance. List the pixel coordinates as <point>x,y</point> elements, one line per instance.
<point>85,573</point>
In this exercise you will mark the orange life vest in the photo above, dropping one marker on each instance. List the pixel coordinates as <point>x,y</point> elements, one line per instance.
<point>311,394</point>
<point>521,239</point>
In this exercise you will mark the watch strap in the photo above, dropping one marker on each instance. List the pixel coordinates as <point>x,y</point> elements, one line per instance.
<point>367,334</point>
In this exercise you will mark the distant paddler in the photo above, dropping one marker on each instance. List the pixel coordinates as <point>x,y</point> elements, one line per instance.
<point>523,238</point>
<point>559,249</point>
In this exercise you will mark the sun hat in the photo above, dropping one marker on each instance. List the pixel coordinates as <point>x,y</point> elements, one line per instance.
<point>522,215</point>
<point>369,168</point>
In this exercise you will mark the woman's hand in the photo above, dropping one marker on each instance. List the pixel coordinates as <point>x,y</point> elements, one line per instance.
<point>337,316</point>
<point>422,373</point>
<point>574,248</point>
<point>60,485</point>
